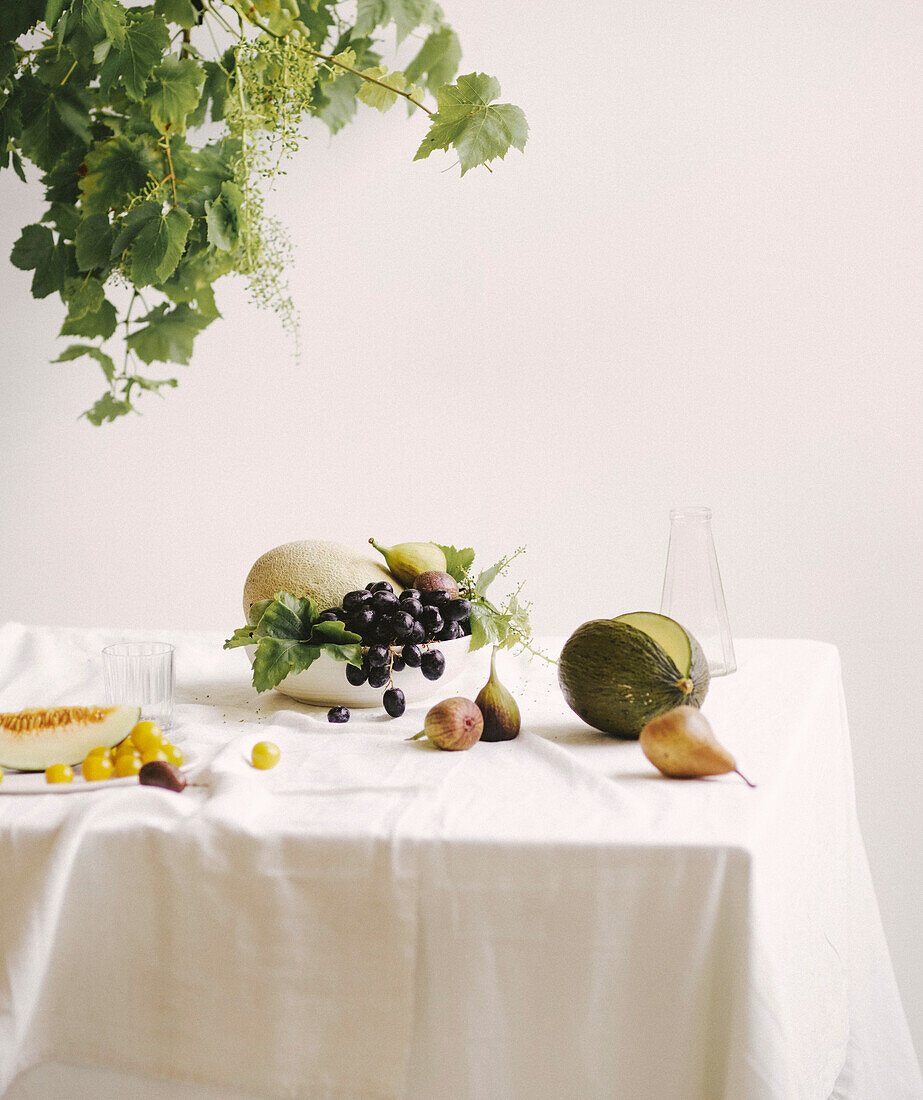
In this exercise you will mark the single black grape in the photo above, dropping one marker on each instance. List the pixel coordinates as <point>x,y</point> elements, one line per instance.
<point>432,664</point>
<point>328,616</point>
<point>410,594</point>
<point>384,601</point>
<point>450,632</point>
<point>378,655</point>
<point>431,620</point>
<point>412,606</point>
<point>338,714</point>
<point>370,586</point>
<point>436,597</point>
<point>411,654</point>
<point>418,634</point>
<point>402,625</point>
<point>355,599</point>
<point>379,675</point>
<point>456,609</point>
<point>380,586</point>
<point>393,700</point>
<point>356,674</point>
<point>397,662</point>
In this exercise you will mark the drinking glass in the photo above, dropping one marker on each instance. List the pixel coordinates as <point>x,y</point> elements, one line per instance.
<point>692,590</point>
<point>141,674</point>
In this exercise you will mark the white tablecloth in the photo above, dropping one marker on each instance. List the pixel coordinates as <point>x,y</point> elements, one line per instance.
<point>542,918</point>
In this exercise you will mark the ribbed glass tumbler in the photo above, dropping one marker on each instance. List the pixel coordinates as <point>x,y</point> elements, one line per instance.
<point>692,591</point>
<point>141,674</point>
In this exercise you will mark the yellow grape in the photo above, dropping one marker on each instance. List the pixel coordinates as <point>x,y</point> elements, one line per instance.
<point>95,768</point>
<point>59,773</point>
<point>155,752</point>
<point>174,754</point>
<point>265,755</point>
<point>127,764</point>
<point>100,750</point>
<point>146,735</point>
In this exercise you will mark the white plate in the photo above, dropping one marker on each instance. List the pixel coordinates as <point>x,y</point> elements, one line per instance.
<point>35,782</point>
<point>325,683</point>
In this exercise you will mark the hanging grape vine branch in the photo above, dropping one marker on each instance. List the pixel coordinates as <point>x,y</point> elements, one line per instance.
<point>156,128</point>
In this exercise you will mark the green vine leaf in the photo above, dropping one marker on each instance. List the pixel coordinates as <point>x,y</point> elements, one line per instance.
<point>381,98</point>
<point>117,170</point>
<point>83,296</point>
<point>93,241</point>
<point>406,15</point>
<point>35,251</point>
<point>102,323</point>
<point>457,562</point>
<point>174,92</point>
<point>275,658</point>
<point>65,218</point>
<point>180,12</point>
<point>157,248</point>
<point>437,62</point>
<point>168,334</point>
<point>106,409</point>
<point>131,64</point>
<point>50,121</point>
<point>78,351</point>
<point>223,217</point>
<point>97,19</point>
<point>467,120</point>
<point>215,91</point>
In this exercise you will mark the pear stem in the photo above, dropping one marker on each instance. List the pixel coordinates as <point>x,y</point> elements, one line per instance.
<point>744,778</point>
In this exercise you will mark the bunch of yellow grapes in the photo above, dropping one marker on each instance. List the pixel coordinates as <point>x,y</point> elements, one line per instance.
<point>145,743</point>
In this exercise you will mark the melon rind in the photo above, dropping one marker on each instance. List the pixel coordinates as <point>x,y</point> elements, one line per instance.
<point>32,740</point>
<point>321,570</point>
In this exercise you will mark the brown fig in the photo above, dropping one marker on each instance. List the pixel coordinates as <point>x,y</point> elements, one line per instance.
<point>452,724</point>
<point>434,580</point>
<point>501,712</point>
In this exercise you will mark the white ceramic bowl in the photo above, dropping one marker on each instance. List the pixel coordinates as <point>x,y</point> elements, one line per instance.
<point>325,683</point>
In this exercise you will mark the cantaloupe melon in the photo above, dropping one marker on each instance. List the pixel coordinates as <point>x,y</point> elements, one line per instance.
<point>32,740</point>
<point>324,571</point>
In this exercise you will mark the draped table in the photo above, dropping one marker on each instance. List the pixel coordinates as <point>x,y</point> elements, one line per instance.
<point>541,918</point>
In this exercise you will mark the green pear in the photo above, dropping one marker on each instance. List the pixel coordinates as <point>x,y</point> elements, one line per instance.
<point>681,744</point>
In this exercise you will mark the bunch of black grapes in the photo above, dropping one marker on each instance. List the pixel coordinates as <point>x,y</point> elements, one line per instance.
<point>398,631</point>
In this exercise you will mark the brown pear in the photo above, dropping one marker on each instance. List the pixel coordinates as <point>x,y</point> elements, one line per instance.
<point>681,744</point>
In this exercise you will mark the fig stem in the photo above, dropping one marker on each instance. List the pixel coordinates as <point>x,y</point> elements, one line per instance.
<point>417,736</point>
<point>744,778</point>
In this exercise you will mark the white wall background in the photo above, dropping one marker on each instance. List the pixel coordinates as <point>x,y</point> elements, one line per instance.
<point>701,284</point>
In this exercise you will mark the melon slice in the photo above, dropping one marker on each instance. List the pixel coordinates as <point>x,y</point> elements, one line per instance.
<point>32,740</point>
<point>666,632</point>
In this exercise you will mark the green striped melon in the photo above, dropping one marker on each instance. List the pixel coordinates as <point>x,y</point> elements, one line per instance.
<point>618,674</point>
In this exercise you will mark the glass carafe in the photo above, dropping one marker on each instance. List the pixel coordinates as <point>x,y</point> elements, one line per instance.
<point>692,590</point>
